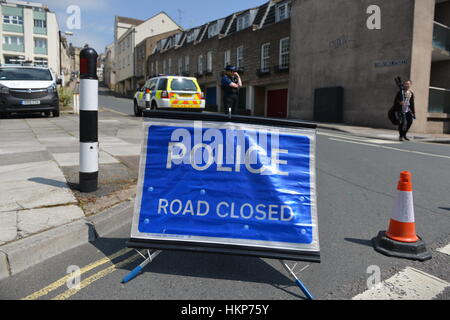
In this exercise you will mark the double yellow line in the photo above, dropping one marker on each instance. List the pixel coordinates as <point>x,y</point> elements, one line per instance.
<point>86,282</point>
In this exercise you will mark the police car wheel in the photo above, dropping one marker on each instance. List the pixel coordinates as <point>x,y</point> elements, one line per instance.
<point>137,111</point>
<point>154,106</point>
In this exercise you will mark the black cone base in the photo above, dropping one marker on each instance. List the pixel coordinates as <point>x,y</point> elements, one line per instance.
<point>412,251</point>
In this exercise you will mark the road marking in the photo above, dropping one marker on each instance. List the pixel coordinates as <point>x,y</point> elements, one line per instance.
<point>408,284</point>
<point>55,285</point>
<point>354,142</point>
<point>114,111</point>
<point>395,149</point>
<point>359,139</point>
<point>445,250</point>
<point>67,294</point>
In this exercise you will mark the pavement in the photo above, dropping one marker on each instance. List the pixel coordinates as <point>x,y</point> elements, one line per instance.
<point>44,218</point>
<point>39,164</point>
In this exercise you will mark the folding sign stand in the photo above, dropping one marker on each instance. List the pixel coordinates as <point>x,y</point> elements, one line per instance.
<point>133,274</point>
<point>298,233</point>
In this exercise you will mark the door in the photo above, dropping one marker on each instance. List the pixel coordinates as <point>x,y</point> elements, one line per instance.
<point>211,96</point>
<point>277,103</point>
<point>242,105</point>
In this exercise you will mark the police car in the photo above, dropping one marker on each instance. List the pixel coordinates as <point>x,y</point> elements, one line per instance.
<point>169,92</point>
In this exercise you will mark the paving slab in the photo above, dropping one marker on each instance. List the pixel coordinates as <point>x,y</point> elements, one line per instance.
<point>36,220</point>
<point>31,185</point>
<point>23,157</point>
<point>128,150</point>
<point>73,159</point>
<point>8,226</point>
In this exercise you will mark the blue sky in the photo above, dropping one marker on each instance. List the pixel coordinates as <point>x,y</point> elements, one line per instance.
<point>97,16</point>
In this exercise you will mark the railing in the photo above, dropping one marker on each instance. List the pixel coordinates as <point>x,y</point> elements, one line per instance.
<point>439,101</point>
<point>263,71</point>
<point>441,36</point>
<point>281,68</point>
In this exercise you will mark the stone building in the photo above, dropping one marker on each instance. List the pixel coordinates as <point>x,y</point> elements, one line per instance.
<point>255,40</point>
<point>338,44</point>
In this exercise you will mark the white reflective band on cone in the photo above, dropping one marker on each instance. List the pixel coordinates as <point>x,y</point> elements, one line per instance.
<point>88,95</point>
<point>89,157</point>
<point>404,207</point>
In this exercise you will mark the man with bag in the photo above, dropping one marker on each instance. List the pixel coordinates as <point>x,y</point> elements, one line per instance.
<point>403,110</point>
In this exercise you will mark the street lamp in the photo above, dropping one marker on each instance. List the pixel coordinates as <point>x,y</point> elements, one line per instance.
<point>61,74</point>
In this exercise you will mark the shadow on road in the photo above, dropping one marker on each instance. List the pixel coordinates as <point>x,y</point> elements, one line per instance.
<point>203,265</point>
<point>443,208</point>
<point>363,242</point>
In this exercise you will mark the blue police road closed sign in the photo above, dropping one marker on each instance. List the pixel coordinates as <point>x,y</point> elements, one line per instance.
<point>227,185</point>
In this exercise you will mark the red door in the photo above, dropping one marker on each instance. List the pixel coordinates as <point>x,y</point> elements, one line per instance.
<point>277,101</point>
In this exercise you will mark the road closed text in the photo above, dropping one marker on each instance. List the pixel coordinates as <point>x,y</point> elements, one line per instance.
<point>226,210</point>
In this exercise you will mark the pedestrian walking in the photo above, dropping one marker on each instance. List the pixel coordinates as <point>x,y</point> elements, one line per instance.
<point>404,106</point>
<point>231,82</point>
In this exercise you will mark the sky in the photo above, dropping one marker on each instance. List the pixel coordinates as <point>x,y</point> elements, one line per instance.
<point>97,16</point>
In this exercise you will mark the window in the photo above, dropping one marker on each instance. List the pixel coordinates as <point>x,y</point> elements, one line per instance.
<point>152,84</point>
<point>240,57</point>
<point>156,67</point>
<point>243,22</point>
<point>164,66</point>
<point>227,58</point>
<point>191,36</point>
<point>200,64</point>
<point>17,74</point>
<point>40,43</point>
<point>265,57</point>
<point>186,64</point>
<point>284,53</point>
<point>283,11</point>
<point>209,62</point>
<point>40,23</point>
<point>182,84</point>
<point>152,68</point>
<point>13,60</point>
<point>162,85</point>
<point>41,62</point>
<point>13,40</point>
<point>213,30</point>
<point>18,20</point>
<point>180,66</point>
<point>170,66</point>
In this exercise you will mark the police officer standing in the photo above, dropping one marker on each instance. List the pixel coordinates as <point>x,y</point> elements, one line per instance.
<point>231,82</point>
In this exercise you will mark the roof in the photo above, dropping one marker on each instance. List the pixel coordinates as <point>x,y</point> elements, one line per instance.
<point>129,20</point>
<point>260,17</point>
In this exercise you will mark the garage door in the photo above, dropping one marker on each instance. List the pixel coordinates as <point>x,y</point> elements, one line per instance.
<point>277,101</point>
<point>211,96</point>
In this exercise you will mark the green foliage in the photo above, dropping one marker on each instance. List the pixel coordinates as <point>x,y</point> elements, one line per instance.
<point>65,96</point>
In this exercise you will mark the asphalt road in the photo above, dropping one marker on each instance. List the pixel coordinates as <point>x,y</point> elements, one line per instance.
<point>356,186</point>
<point>122,105</point>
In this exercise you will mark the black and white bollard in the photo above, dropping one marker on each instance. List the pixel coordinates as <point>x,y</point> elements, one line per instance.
<point>89,156</point>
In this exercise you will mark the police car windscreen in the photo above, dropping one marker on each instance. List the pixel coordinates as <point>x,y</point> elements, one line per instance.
<point>19,74</point>
<point>183,85</point>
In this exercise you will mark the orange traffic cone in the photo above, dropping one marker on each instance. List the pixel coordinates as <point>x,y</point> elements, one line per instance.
<point>401,240</point>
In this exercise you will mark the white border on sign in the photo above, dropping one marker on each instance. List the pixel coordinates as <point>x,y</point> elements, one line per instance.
<point>310,133</point>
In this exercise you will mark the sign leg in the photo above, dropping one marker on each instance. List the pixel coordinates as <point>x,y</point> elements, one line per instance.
<point>297,281</point>
<point>133,274</point>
